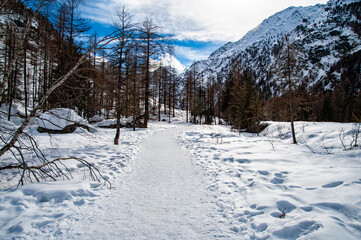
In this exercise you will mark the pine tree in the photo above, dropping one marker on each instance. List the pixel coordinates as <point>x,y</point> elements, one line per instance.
<point>242,104</point>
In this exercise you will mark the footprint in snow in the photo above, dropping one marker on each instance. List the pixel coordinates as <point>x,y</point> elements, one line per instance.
<point>277,180</point>
<point>229,159</point>
<point>251,184</point>
<point>280,174</point>
<point>333,184</point>
<point>264,173</point>
<point>307,209</point>
<point>261,227</point>
<point>242,161</point>
<point>296,231</point>
<point>285,206</point>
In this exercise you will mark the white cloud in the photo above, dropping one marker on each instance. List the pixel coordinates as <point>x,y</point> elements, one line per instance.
<point>196,20</point>
<point>193,54</point>
<point>201,20</point>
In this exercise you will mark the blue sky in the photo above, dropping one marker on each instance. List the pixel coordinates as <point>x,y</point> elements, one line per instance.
<point>199,26</point>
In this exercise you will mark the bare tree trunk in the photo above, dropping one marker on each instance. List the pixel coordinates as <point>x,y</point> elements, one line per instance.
<point>25,84</point>
<point>20,130</point>
<point>147,80</point>
<point>118,95</point>
<point>159,94</point>
<point>290,93</point>
<point>134,93</point>
<point>292,121</point>
<point>187,101</point>
<point>117,133</point>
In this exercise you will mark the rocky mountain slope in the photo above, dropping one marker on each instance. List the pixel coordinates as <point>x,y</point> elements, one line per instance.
<point>325,34</point>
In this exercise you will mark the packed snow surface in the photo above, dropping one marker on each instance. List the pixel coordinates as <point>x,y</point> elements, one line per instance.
<point>182,181</point>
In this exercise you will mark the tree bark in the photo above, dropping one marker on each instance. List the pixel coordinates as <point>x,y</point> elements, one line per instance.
<point>147,80</point>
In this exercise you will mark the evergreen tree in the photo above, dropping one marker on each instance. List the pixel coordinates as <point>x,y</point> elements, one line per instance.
<point>242,104</point>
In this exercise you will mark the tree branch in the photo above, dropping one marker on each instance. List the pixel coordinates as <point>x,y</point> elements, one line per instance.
<point>40,171</point>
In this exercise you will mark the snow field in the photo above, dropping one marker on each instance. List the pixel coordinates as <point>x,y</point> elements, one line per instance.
<point>267,188</point>
<point>181,181</point>
<point>34,210</point>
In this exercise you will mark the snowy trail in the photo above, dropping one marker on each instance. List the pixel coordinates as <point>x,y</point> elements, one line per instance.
<point>162,198</point>
<point>177,181</point>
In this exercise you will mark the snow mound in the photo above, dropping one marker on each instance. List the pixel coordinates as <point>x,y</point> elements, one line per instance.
<point>96,119</point>
<point>17,113</point>
<point>108,123</point>
<point>16,110</point>
<point>112,123</point>
<point>5,124</point>
<point>59,118</point>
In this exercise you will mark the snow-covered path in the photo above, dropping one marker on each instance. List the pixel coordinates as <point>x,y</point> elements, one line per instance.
<point>179,181</point>
<point>162,198</point>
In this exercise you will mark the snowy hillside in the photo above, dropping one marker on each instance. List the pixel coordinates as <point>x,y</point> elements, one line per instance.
<point>324,33</point>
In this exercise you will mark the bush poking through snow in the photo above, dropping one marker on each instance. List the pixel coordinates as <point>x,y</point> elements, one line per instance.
<point>283,214</point>
<point>349,140</point>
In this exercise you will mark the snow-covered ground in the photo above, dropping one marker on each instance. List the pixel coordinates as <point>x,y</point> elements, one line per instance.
<point>268,188</point>
<point>181,181</point>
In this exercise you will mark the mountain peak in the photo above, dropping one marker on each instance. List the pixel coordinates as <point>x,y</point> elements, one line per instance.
<point>269,30</point>
<point>326,33</point>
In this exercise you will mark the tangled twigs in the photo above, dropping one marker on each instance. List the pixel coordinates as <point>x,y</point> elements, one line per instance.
<point>52,170</point>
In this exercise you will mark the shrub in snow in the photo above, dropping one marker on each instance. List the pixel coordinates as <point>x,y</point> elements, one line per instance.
<point>61,120</point>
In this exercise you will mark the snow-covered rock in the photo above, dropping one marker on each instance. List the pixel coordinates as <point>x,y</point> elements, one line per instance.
<point>60,119</point>
<point>112,123</point>
<point>96,118</point>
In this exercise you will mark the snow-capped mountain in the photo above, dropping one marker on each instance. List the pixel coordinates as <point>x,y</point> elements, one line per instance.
<point>324,33</point>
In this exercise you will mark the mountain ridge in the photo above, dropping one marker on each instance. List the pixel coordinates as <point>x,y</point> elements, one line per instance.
<point>325,33</point>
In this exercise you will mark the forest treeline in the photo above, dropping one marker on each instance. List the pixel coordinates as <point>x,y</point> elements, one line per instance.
<point>125,79</point>
<point>293,78</point>
<point>243,102</point>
